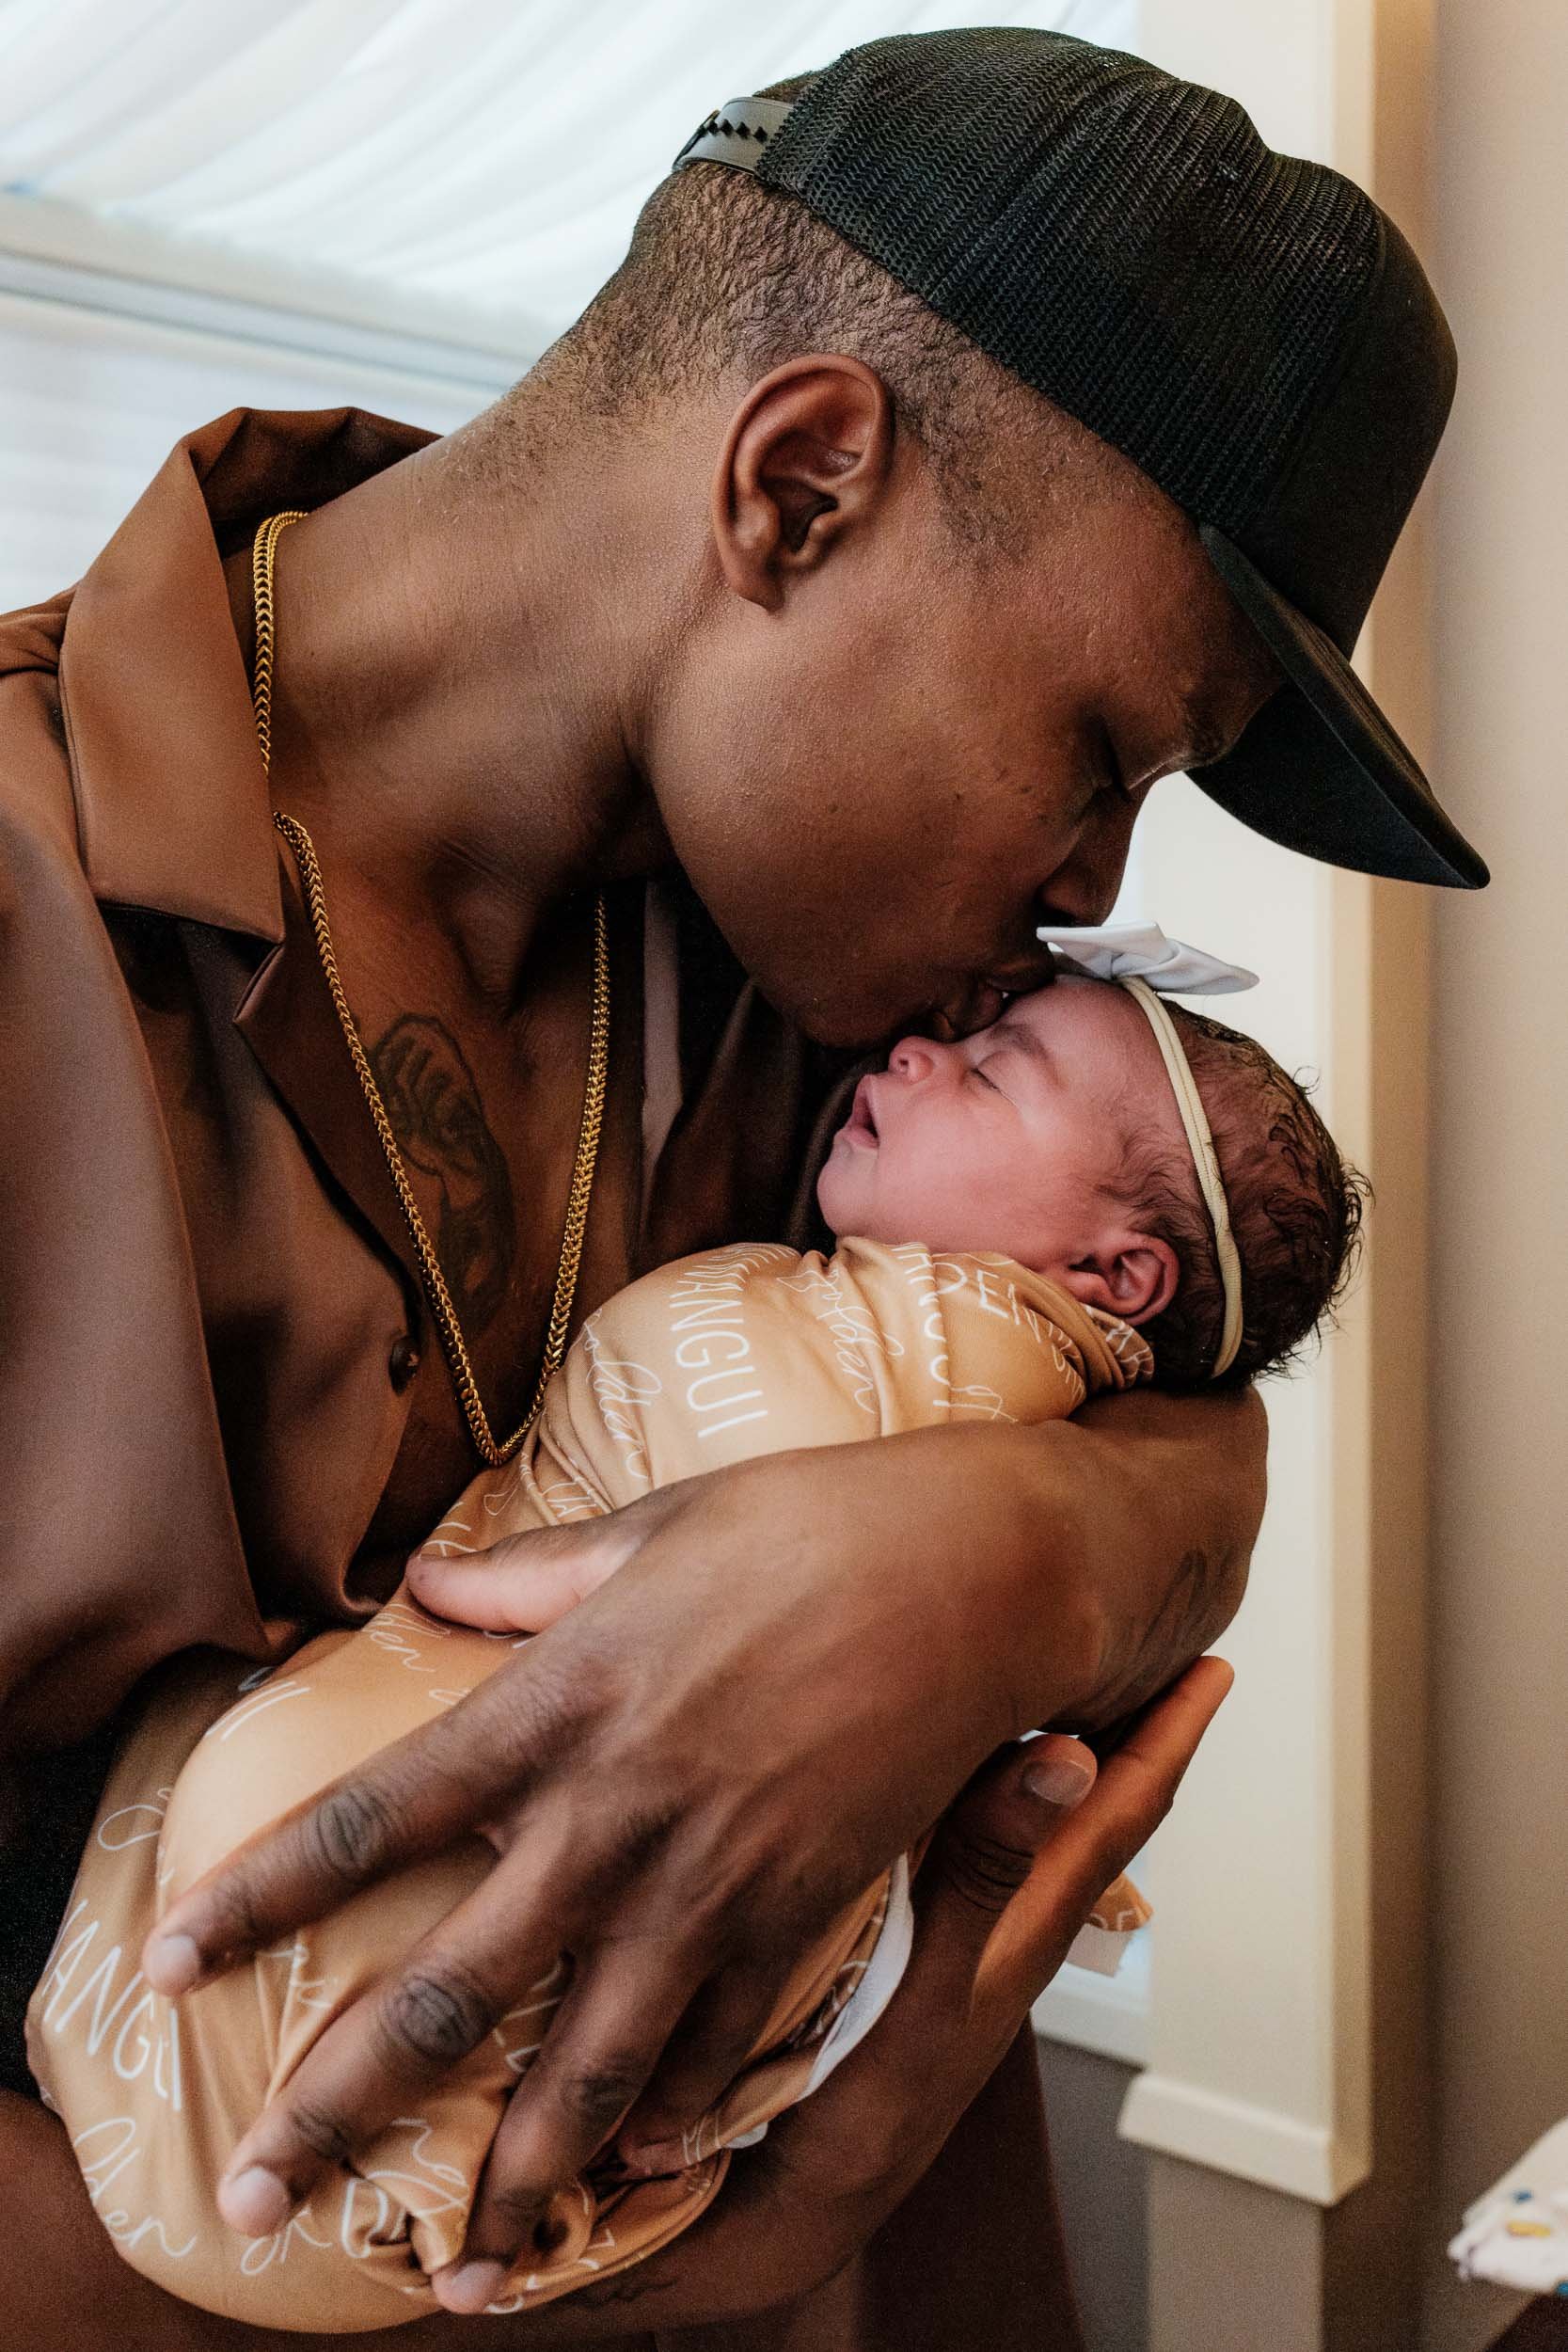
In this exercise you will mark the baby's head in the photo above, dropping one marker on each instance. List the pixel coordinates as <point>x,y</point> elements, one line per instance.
<point>1055,1137</point>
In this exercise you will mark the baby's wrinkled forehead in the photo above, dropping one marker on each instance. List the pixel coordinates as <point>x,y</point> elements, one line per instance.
<point>1093,1025</point>
<point>1104,1057</point>
<point>1071,996</point>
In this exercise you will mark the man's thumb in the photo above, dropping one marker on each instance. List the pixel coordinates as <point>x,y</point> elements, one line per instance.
<point>521,1584</point>
<point>989,1841</point>
<point>982,1852</point>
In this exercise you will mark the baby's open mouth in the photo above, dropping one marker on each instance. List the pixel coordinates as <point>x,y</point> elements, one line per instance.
<point>860,1125</point>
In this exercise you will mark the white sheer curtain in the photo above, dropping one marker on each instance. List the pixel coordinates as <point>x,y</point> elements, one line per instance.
<point>91,404</point>
<point>487,156</point>
<point>493,152</point>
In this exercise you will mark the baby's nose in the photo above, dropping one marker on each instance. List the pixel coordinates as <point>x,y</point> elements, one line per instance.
<point>915,1058</point>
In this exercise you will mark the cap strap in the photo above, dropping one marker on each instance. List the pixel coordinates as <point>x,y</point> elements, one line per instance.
<point>736,133</point>
<point>1205,1159</point>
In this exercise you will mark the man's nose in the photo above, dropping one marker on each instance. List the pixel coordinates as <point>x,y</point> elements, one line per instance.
<point>1084,888</point>
<point>1023,975</point>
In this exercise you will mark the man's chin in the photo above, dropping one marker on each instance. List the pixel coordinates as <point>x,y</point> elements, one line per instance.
<point>841,1036</point>
<point>851,1026</point>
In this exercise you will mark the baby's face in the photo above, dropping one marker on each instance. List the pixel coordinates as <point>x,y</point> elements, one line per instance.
<point>1007,1140</point>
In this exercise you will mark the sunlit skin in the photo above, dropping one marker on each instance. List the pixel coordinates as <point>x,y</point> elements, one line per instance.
<point>1009,1140</point>
<point>741,637</point>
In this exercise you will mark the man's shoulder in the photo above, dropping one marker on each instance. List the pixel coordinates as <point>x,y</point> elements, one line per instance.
<point>37,812</point>
<point>31,637</point>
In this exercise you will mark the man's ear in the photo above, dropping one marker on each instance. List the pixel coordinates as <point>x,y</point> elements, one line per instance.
<point>807,456</point>
<point>1132,1275</point>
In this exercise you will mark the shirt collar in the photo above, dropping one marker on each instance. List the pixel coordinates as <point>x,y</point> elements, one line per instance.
<point>172,801</point>
<point>171,796</point>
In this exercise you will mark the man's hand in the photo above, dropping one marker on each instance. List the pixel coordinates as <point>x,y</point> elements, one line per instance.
<point>794,2210</point>
<point>1003,1894</point>
<point>794,1668</point>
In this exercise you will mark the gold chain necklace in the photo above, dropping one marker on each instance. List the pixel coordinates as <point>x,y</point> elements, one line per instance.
<point>436,1292</point>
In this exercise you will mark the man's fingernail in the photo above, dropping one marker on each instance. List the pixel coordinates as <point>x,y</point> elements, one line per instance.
<point>471,2286</point>
<point>171,1964</point>
<point>254,2201</point>
<point>654,2155</point>
<point>1062,1781</point>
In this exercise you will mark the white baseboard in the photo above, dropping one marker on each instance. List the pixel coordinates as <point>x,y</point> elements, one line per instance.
<point>1180,2118</point>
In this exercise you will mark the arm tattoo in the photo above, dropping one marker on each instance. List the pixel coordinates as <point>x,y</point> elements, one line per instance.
<point>1198,1603</point>
<point>432,1100</point>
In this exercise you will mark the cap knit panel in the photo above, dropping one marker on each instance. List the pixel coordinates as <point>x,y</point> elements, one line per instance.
<point>1122,241</point>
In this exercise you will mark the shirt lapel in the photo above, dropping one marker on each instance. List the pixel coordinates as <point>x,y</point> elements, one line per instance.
<point>289,1021</point>
<point>172,801</point>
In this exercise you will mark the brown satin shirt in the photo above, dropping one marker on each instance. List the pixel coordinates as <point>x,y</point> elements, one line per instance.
<point>217,1355</point>
<point>221,1409</point>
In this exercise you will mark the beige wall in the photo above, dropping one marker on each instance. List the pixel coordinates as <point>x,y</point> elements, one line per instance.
<point>1484,186</point>
<point>1500,1429</point>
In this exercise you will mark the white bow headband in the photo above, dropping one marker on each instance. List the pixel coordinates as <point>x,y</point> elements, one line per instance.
<point>1143,960</point>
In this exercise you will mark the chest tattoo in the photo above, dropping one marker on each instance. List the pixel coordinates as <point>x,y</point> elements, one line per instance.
<point>438,1115</point>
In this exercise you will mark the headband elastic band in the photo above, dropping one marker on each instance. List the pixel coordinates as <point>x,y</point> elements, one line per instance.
<point>1205,1159</point>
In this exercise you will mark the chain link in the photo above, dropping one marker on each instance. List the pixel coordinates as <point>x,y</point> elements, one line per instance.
<point>443,1312</point>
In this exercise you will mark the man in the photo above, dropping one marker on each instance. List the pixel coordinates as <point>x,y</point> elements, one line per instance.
<point>976,434</point>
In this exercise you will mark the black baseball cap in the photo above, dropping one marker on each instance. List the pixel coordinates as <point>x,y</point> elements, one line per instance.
<point>1248,327</point>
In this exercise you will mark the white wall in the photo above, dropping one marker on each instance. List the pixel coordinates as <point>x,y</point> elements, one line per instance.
<point>1259,2037</point>
<point>1499,1455</point>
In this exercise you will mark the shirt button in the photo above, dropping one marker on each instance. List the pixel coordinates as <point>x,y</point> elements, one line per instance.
<point>403,1361</point>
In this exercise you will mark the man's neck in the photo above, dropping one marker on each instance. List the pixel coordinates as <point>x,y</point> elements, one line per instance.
<point>461,685</point>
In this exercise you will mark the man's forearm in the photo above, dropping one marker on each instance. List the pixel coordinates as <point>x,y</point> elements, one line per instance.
<point>1065,1571</point>
<point>1107,1552</point>
<point>1151,1506</point>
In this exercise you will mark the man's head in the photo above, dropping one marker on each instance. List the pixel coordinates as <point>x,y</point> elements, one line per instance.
<point>936,641</point>
<point>1053,1137</point>
<point>1019,425</point>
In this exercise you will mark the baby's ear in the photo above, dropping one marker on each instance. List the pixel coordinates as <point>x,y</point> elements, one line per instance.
<point>1131,1275</point>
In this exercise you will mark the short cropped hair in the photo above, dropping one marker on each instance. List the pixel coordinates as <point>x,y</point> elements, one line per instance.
<point>725,275</point>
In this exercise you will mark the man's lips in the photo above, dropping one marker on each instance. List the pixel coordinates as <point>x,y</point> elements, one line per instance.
<point>984,997</point>
<point>975,1007</point>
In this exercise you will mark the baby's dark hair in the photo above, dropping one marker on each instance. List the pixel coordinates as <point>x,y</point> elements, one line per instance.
<point>1296,1208</point>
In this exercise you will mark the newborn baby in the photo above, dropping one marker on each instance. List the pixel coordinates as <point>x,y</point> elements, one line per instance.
<point>1030,1216</point>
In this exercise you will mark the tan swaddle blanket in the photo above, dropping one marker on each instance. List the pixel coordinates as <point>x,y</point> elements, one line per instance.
<point>739,1352</point>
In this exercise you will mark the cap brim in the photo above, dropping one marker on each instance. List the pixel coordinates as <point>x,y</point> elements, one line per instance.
<point>1320,769</point>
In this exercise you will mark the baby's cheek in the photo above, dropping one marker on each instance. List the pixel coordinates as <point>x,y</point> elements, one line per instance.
<point>837,1193</point>
<point>937,1196</point>
<point>882,1201</point>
